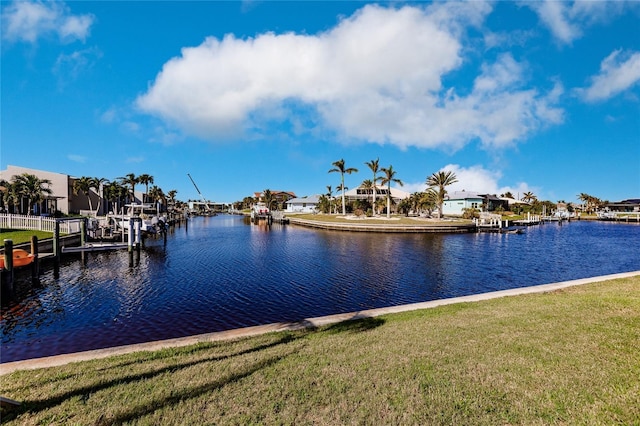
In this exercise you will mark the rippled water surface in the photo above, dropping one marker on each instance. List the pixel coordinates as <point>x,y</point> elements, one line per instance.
<point>223,273</point>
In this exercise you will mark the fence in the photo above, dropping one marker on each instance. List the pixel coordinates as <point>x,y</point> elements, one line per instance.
<point>39,223</point>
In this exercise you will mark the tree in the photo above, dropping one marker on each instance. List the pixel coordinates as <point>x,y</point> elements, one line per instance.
<point>330,195</point>
<point>340,167</point>
<point>130,180</point>
<point>10,195</point>
<point>84,185</point>
<point>373,166</point>
<point>389,176</point>
<point>507,194</point>
<point>157,194</point>
<point>145,180</point>
<point>590,202</point>
<point>32,188</point>
<point>100,184</point>
<point>268,197</point>
<point>114,192</point>
<point>529,197</point>
<point>172,196</point>
<point>438,182</point>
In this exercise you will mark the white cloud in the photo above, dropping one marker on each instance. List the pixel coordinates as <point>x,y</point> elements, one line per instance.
<point>375,77</point>
<point>27,21</point>
<point>68,67</point>
<point>566,20</point>
<point>77,158</point>
<point>618,72</point>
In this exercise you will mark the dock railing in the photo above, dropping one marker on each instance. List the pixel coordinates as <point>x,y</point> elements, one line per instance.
<point>39,223</point>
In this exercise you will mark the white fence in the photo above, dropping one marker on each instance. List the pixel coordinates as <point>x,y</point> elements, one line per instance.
<point>39,223</point>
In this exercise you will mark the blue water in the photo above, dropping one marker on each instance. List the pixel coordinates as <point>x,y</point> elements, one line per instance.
<point>223,273</point>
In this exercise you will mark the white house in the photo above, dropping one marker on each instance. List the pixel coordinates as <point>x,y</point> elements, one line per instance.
<point>456,202</point>
<point>381,193</point>
<point>303,205</point>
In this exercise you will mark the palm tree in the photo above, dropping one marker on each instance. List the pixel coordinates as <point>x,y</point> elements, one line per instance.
<point>330,195</point>
<point>373,165</point>
<point>339,167</point>
<point>145,180</point>
<point>10,195</point>
<point>31,187</point>
<point>389,176</point>
<point>268,197</point>
<point>172,196</point>
<point>156,195</point>
<point>84,185</point>
<point>114,192</point>
<point>528,197</point>
<point>100,184</point>
<point>507,194</point>
<point>131,180</point>
<point>438,182</point>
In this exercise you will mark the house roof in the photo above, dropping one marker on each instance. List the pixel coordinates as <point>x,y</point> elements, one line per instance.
<point>311,199</point>
<point>463,195</point>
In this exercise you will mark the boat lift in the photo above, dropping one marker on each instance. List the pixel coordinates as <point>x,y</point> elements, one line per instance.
<point>206,203</point>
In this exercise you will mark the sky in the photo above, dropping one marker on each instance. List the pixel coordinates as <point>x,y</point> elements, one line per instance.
<point>539,97</point>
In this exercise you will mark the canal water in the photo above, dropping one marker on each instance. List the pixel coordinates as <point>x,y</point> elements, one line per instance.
<point>223,273</point>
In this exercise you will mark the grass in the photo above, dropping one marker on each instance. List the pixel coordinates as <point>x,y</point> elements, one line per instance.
<point>22,236</point>
<point>396,220</point>
<point>566,357</point>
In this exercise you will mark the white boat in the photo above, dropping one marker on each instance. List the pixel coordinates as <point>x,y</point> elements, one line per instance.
<point>150,221</point>
<point>260,211</point>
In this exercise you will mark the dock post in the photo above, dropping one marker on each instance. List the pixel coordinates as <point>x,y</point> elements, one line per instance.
<point>83,232</point>
<point>35,265</point>
<point>56,250</point>
<point>138,233</point>
<point>130,236</point>
<point>8,265</point>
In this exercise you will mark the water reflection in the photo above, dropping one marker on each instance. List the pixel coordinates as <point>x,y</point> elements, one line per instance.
<point>222,272</point>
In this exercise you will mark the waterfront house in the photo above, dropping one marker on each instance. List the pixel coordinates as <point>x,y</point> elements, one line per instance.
<point>624,206</point>
<point>361,193</point>
<point>456,202</point>
<point>277,197</point>
<point>303,205</point>
<point>62,199</point>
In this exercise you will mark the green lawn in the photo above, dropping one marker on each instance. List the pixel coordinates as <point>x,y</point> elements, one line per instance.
<point>565,357</point>
<point>21,236</point>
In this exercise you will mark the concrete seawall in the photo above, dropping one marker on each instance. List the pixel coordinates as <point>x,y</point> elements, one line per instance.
<point>378,227</point>
<point>57,360</point>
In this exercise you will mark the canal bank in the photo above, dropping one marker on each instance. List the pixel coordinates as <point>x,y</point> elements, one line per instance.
<point>361,225</point>
<point>58,360</point>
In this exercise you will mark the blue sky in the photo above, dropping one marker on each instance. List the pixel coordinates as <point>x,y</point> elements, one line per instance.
<point>511,96</point>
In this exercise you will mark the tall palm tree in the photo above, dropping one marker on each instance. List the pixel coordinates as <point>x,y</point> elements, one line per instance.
<point>145,180</point>
<point>373,165</point>
<point>438,182</point>
<point>100,184</point>
<point>131,180</point>
<point>330,195</point>
<point>84,185</point>
<point>340,167</point>
<point>389,176</point>
<point>32,188</point>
